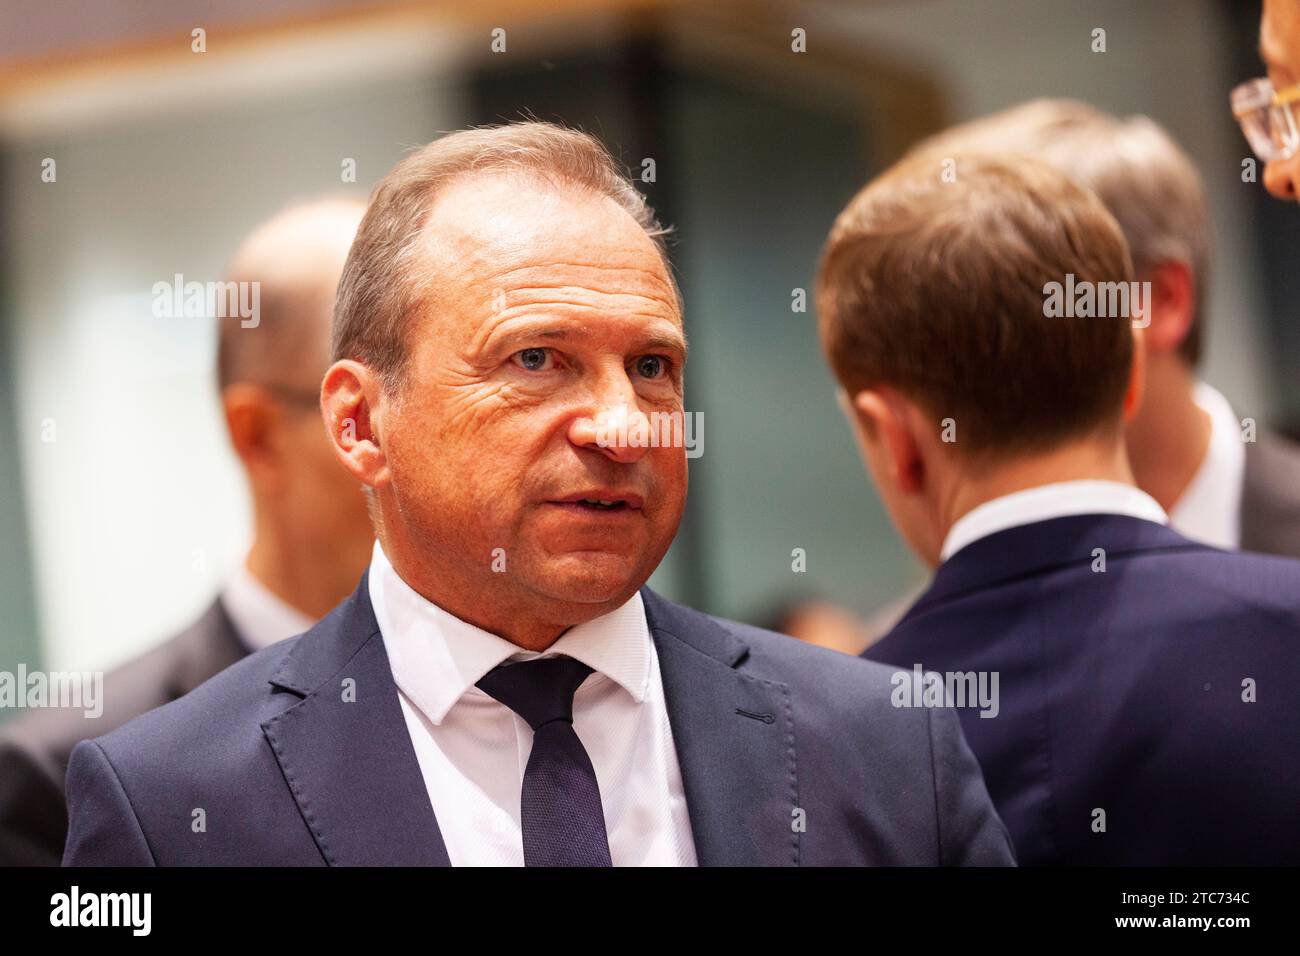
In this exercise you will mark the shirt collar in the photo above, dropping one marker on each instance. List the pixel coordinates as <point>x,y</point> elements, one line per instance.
<point>1209,509</point>
<point>437,658</point>
<point>260,616</point>
<point>1056,500</point>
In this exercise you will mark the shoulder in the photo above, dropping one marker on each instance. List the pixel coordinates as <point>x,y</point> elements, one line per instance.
<point>1273,459</point>
<point>222,714</point>
<point>825,679</point>
<point>1238,583</point>
<point>1270,495</point>
<point>137,686</point>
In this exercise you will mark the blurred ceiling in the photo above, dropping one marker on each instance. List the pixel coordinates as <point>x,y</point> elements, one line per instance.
<point>43,39</point>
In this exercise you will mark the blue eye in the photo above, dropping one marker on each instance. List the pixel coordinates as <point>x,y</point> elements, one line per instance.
<point>650,366</point>
<point>533,360</point>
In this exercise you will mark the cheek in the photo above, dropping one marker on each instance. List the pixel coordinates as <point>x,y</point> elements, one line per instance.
<point>476,464</point>
<point>671,471</point>
<point>417,454</point>
<point>1280,177</point>
<point>874,459</point>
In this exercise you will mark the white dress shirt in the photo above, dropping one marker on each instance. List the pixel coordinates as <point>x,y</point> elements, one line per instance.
<point>260,617</point>
<point>473,750</point>
<point>1045,502</point>
<point>1209,510</point>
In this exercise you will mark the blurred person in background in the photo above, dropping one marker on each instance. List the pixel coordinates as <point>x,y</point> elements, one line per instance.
<point>1268,109</point>
<point>1187,447</point>
<point>816,620</point>
<point>1128,691</point>
<point>311,532</point>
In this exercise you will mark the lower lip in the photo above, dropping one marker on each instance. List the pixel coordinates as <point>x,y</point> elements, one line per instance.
<point>600,514</point>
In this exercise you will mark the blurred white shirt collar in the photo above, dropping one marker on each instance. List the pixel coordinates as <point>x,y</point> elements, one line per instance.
<point>260,617</point>
<point>1209,510</point>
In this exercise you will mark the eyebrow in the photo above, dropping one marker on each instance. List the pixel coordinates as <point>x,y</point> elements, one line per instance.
<point>655,340</point>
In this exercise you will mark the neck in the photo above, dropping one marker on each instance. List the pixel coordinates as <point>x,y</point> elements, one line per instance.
<point>1168,440</point>
<point>301,573</point>
<point>1096,459</point>
<point>484,605</point>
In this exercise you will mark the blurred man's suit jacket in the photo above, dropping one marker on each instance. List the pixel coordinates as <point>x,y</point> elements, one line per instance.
<point>1122,691</point>
<point>34,748</point>
<point>1269,516</point>
<point>287,771</point>
<point>1270,496</point>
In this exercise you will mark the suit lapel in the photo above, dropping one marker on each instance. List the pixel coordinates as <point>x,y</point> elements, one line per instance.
<point>734,735</point>
<point>345,750</point>
<point>352,770</point>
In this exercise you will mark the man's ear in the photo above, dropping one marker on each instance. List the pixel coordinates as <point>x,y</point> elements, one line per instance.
<point>350,406</point>
<point>251,417</point>
<point>886,430</point>
<point>1137,375</point>
<point>1172,306</point>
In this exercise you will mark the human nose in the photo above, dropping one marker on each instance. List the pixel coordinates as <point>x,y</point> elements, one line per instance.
<point>614,423</point>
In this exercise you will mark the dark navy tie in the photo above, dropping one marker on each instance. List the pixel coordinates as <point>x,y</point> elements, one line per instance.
<point>560,813</point>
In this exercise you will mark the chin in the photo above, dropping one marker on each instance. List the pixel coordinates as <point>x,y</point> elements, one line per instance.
<point>591,577</point>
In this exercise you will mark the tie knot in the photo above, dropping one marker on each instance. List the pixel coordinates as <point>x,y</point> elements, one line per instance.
<point>539,691</point>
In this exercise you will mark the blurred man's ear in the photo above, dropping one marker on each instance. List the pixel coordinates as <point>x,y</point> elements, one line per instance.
<point>886,430</point>
<point>252,417</point>
<point>1137,373</point>
<point>349,400</point>
<point>1172,308</point>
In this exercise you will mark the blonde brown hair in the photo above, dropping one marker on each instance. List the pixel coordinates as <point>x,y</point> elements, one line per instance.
<point>936,286</point>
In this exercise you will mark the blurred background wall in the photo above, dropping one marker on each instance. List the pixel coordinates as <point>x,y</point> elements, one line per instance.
<point>124,505</point>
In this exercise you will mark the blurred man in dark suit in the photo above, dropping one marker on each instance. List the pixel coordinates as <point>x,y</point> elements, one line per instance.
<point>1221,483</point>
<point>1135,690</point>
<point>311,533</point>
<point>501,688</point>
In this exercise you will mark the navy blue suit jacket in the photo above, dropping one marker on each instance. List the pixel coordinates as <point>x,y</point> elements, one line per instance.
<point>286,772</point>
<point>1124,690</point>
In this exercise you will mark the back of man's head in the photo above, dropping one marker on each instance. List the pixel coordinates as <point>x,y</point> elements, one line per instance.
<point>1145,179</point>
<point>936,287</point>
<point>296,258</point>
<point>270,370</point>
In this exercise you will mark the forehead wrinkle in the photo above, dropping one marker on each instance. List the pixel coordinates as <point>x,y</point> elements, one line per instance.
<point>535,296</point>
<point>542,294</point>
<point>650,275</point>
<point>462,271</point>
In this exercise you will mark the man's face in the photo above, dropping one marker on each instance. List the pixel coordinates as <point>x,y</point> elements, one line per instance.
<point>552,314</point>
<point>1279,46</point>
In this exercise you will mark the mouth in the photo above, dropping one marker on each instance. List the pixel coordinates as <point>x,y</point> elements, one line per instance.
<point>601,500</point>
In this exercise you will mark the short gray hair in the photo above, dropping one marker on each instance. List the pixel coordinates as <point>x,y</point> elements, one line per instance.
<point>385,282</point>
